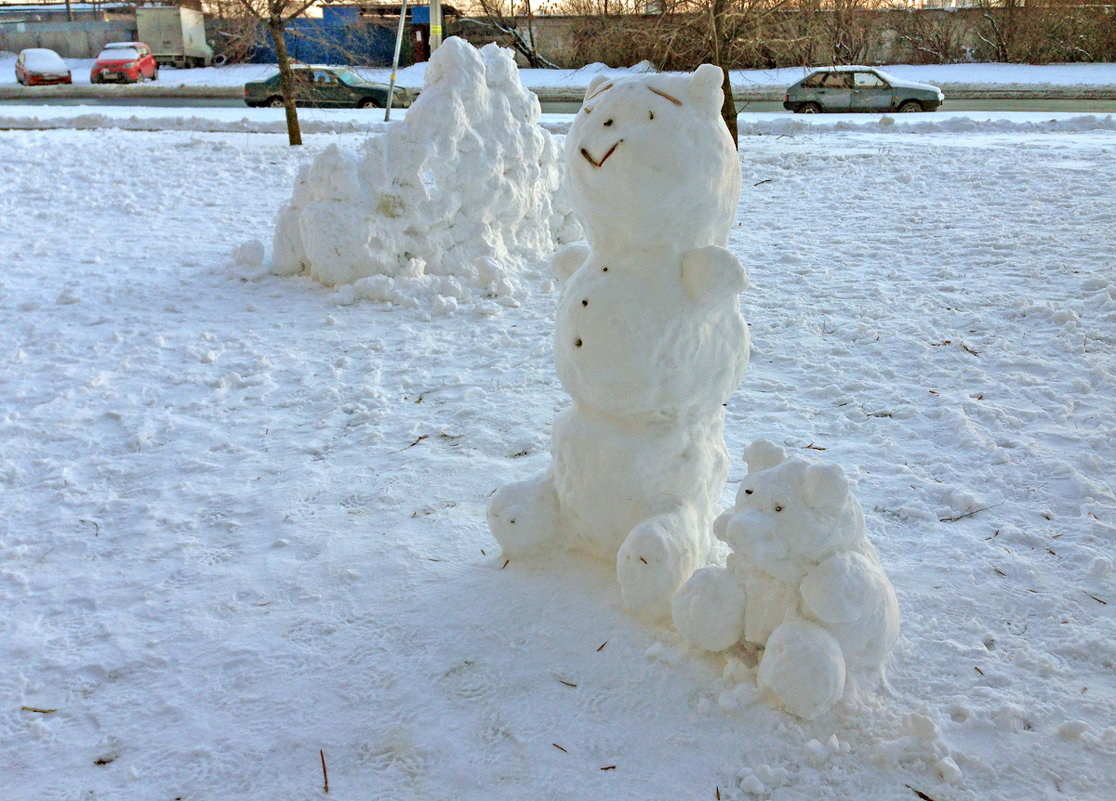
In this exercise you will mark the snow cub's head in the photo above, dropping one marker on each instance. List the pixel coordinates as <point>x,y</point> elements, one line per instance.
<point>651,162</point>
<point>790,513</point>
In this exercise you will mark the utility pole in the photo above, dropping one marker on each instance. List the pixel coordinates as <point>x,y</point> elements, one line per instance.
<point>435,24</point>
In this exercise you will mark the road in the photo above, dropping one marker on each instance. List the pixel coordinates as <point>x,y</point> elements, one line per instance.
<point>565,99</point>
<point>1084,105</point>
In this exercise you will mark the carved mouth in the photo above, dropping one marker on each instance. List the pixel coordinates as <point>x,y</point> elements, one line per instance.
<point>594,162</point>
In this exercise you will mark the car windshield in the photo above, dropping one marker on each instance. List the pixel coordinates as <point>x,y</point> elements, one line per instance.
<point>118,54</point>
<point>350,78</point>
<point>887,76</point>
<point>44,60</point>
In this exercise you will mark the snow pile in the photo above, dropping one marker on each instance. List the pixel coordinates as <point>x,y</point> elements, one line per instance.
<point>449,203</point>
<point>802,580</point>
<point>649,340</point>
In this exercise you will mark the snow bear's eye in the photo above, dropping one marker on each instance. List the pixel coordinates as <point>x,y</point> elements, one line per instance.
<point>778,508</point>
<point>650,115</point>
<point>608,123</point>
<point>748,492</point>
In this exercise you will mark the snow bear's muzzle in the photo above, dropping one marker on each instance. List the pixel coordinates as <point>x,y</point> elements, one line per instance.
<point>589,156</point>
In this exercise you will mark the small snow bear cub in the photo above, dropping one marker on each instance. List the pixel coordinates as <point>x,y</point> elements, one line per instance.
<point>802,579</point>
<point>649,340</point>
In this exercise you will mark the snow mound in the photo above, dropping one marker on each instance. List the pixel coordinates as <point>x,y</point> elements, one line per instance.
<point>447,205</point>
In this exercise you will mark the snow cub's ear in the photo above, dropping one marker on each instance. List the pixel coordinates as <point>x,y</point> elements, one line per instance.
<point>762,454</point>
<point>595,85</point>
<point>825,486</point>
<point>705,87</point>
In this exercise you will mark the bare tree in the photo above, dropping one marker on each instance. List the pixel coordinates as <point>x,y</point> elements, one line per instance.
<point>276,15</point>
<point>517,26</point>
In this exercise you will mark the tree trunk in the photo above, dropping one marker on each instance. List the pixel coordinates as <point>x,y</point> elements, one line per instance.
<point>275,26</point>
<point>718,10</point>
<point>728,109</point>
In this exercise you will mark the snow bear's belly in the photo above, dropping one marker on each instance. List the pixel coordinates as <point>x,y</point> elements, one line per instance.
<point>628,340</point>
<point>611,474</point>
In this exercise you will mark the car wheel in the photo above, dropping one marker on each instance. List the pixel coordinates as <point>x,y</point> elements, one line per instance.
<point>274,102</point>
<point>910,106</point>
<point>367,102</point>
<point>809,108</point>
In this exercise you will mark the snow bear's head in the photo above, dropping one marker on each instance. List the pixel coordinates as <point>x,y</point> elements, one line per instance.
<point>651,162</point>
<point>790,514</point>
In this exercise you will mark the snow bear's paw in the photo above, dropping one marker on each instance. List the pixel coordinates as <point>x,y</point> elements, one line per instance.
<point>708,610</point>
<point>524,516</point>
<point>652,564</point>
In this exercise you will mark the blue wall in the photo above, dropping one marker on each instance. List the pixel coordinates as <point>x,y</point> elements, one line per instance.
<point>337,38</point>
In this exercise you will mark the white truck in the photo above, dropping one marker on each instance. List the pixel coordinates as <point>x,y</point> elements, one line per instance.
<point>175,35</point>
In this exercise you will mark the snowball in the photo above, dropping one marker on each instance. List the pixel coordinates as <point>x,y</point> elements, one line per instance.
<point>802,665</point>
<point>948,770</point>
<point>467,177</point>
<point>248,254</point>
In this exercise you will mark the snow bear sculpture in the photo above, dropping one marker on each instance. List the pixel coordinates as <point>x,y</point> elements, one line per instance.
<point>649,340</point>
<point>802,579</point>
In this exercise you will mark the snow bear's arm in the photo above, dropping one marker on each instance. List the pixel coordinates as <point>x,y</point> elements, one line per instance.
<point>712,273</point>
<point>567,260</point>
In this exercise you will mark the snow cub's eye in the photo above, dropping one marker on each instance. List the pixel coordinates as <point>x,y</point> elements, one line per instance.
<point>748,492</point>
<point>650,115</point>
<point>778,508</point>
<point>608,123</point>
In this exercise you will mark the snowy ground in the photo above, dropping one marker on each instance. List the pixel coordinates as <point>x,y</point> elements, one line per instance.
<point>241,522</point>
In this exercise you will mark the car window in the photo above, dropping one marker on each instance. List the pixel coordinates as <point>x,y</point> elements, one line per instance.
<point>814,81</point>
<point>867,80</point>
<point>837,80</point>
<point>118,54</point>
<point>320,76</point>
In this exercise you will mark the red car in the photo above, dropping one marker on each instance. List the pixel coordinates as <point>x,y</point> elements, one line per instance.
<point>127,62</point>
<point>37,66</point>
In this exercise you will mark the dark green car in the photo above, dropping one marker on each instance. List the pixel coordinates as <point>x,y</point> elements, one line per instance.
<point>326,87</point>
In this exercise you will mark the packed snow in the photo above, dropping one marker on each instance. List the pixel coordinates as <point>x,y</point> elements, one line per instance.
<point>242,516</point>
<point>648,342</point>
<point>456,198</point>
<point>801,579</point>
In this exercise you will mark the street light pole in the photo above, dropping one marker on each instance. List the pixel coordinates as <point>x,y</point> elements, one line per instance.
<point>435,24</point>
<point>395,61</point>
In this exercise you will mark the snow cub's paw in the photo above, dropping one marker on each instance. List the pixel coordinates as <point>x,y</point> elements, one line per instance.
<point>803,667</point>
<point>524,516</point>
<point>656,558</point>
<point>708,610</point>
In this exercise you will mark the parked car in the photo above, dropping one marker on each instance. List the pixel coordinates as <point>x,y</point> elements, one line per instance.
<point>326,86</point>
<point>38,66</point>
<point>859,89</point>
<point>126,62</point>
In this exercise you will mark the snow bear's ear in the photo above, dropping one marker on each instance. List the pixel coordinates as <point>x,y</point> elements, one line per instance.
<point>763,454</point>
<point>706,87</point>
<point>825,486</point>
<point>594,85</point>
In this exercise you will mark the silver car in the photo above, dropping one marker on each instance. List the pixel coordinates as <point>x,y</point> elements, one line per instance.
<point>859,89</point>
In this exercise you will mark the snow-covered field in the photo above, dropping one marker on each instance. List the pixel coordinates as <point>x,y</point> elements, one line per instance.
<point>242,518</point>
